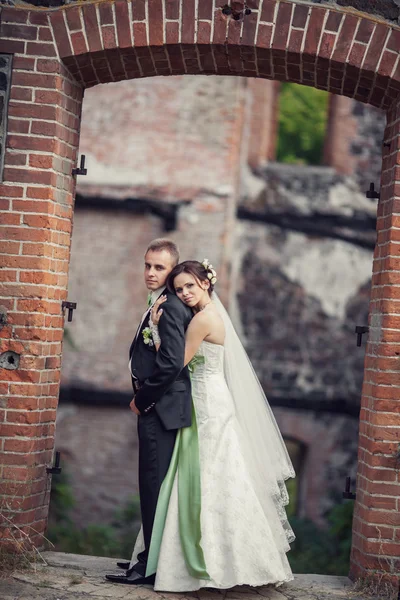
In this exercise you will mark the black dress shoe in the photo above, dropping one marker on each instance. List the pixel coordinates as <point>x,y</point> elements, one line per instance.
<point>123,565</point>
<point>133,579</point>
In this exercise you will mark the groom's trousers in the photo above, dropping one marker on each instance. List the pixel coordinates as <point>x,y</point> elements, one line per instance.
<point>156,446</point>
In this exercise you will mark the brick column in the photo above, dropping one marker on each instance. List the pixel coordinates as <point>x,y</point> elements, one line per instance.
<point>340,132</point>
<point>263,119</point>
<point>376,527</point>
<point>36,206</point>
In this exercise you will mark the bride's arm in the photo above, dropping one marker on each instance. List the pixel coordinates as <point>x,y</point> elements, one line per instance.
<point>155,315</point>
<point>198,330</point>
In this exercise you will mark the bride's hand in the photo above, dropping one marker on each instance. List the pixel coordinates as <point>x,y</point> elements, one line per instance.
<point>156,311</point>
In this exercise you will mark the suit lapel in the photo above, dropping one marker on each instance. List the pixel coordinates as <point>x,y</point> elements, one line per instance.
<point>141,325</point>
<point>143,320</point>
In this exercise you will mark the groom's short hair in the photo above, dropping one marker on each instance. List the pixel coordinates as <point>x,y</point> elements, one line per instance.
<point>165,244</point>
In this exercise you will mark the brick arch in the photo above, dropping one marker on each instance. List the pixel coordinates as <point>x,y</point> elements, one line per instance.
<point>331,49</point>
<point>59,52</point>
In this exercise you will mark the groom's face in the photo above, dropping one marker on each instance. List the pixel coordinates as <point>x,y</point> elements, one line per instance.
<point>157,266</point>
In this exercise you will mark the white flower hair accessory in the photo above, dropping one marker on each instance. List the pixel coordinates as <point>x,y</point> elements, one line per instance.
<point>211,272</point>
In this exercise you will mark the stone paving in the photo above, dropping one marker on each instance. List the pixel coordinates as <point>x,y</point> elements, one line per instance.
<point>76,577</point>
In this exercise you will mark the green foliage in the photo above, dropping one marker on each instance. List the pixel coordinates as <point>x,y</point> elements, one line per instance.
<point>292,489</point>
<point>98,540</point>
<point>61,498</point>
<point>320,551</point>
<point>302,124</point>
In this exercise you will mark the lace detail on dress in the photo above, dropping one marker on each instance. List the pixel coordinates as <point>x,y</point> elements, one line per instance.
<point>241,543</point>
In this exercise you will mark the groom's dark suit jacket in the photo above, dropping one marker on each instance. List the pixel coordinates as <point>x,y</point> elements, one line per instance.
<point>164,382</point>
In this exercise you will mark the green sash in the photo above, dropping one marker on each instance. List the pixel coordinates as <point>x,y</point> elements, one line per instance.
<point>185,462</point>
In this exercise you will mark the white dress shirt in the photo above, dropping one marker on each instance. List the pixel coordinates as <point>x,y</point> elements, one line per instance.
<point>155,294</point>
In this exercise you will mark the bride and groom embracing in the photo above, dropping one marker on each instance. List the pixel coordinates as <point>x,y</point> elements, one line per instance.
<point>212,462</point>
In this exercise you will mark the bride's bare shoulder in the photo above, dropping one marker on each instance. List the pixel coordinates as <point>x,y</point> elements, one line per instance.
<point>203,318</point>
<point>209,317</point>
<point>200,317</point>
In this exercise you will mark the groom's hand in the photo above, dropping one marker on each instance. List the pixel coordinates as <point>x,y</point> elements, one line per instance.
<point>134,408</point>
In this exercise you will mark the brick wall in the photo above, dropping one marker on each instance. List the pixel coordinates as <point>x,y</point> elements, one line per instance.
<point>376,531</point>
<point>162,137</point>
<point>262,121</point>
<point>37,204</point>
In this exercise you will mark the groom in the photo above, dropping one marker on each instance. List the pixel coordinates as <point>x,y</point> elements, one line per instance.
<point>162,391</point>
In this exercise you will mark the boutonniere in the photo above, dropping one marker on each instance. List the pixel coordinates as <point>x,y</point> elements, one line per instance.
<point>147,336</point>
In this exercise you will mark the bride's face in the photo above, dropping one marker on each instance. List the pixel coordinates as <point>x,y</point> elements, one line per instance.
<point>189,290</point>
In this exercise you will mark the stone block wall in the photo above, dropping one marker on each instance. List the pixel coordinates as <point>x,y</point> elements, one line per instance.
<point>354,140</point>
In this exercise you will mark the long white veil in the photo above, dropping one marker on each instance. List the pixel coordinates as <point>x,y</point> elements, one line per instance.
<point>263,448</point>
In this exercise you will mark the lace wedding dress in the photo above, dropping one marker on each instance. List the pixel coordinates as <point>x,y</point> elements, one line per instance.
<point>242,542</point>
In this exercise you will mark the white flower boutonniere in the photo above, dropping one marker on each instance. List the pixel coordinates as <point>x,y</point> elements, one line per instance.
<point>147,336</point>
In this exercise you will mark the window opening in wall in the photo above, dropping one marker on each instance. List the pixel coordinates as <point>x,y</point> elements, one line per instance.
<point>302,124</point>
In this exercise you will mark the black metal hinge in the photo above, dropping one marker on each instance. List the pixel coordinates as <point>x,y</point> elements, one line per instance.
<point>347,493</point>
<point>71,307</point>
<point>56,469</point>
<point>80,170</point>
<point>372,194</point>
<point>360,330</point>
<point>235,14</point>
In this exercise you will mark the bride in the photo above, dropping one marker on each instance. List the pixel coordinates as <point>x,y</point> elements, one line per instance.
<point>220,519</point>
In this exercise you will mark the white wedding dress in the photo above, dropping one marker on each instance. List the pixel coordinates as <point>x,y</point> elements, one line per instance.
<point>241,542</point>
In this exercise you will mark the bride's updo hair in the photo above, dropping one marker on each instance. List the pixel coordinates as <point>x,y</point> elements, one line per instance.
<point>200,271</point>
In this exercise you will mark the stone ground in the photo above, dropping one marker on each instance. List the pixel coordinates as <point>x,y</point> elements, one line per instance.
<point>76,577</point>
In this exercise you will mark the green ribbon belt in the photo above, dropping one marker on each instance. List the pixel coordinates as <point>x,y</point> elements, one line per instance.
<point>185,462</point>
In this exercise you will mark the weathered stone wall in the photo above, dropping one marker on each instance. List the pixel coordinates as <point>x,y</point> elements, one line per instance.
<point>309,246</point>
<point>388,9</point>
<point>354,140</point>
<point>303,265</point>
<point>367,144</point>
<point>99,451</point>
<point>299,324</point>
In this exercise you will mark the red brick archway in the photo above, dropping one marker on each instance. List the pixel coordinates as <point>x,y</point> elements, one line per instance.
<point>59,52</point>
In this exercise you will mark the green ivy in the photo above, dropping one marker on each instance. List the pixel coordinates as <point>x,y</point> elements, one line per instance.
<point>323,551</point>
<point>303,114</point>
